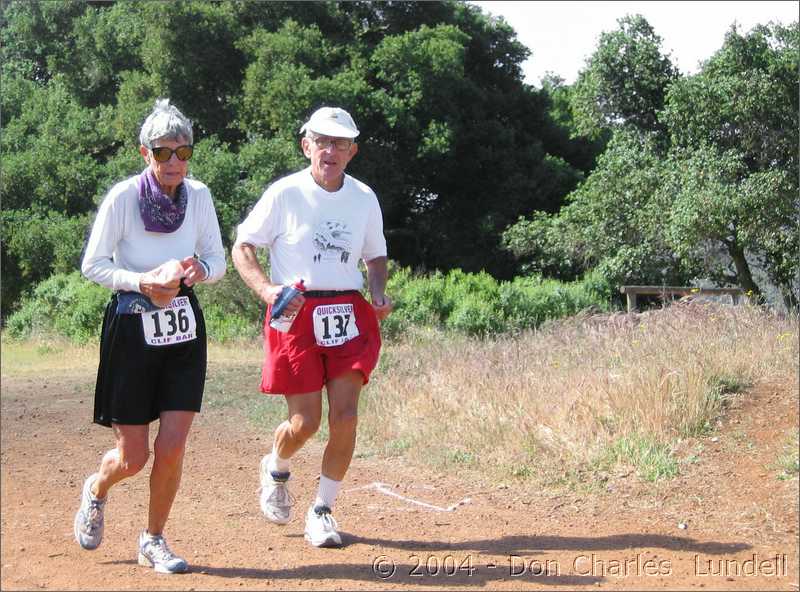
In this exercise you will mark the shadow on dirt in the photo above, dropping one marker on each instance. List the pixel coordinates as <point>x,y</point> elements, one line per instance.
<point>384,571</point>
<point>473,563</point>
<point>528,545</point>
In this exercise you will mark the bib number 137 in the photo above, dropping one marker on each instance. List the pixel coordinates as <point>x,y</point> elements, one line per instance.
<point>334,324</point>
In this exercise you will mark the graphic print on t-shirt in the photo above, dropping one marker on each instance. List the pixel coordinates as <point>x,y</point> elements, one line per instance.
<point>332,241</point>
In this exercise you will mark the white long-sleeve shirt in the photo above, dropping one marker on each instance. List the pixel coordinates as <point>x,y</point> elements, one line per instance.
<point>120,250</point>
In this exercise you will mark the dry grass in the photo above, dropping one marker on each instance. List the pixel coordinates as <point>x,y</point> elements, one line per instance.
<point>44,355</point>
<point>602,393</point>
<point>592,391</point>
<point>57,354</point>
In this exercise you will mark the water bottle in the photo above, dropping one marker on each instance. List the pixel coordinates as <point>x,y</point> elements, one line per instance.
<point>278,320</point>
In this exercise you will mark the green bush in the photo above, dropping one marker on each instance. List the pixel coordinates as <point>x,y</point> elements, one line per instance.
<point>230,308</point>
<point>417,301</point>
<point>476,304</point>
<point>470,304</point>
<point>600,288</point>
<point>35,246</point>
<point>223,325</point>
<point>64,304</point>
<point>474,314</point>
<point>68,304</point>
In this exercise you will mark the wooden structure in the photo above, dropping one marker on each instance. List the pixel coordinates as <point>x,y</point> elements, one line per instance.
<point>631,292</point>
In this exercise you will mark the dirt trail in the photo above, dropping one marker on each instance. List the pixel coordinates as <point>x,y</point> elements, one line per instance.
<point>741,519</point>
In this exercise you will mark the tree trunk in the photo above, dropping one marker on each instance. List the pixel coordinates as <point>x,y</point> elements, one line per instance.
<point>743,273</point>
<point>790,299</point>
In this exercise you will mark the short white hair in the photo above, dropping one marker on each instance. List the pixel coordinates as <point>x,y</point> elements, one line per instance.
<point>165,122</point>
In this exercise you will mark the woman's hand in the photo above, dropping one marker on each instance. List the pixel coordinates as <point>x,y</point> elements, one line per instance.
<point>162,284</point>
<point>158,293</point>
<point>193,270</point>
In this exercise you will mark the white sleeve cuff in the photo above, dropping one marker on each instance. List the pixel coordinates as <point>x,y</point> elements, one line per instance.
<point>206,268</point>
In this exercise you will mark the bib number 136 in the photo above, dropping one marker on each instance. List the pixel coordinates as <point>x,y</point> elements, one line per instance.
<point>174,323</point>
<point>334,324</point>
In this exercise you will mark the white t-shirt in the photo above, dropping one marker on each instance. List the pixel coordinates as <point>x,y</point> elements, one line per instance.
<point>316,235</point>
<point>120,249</point>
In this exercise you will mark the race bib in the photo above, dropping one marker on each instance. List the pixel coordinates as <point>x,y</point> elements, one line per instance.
<point>334,324</point>
<point>175,323</point>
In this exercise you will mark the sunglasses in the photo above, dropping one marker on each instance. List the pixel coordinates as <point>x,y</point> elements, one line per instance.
<point>163,154</point>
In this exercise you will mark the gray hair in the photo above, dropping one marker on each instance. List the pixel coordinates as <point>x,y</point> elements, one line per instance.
<point>166,122</point>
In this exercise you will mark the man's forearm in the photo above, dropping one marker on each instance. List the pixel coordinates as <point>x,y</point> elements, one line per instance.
<point>377,276</point>
<point>250,270</point>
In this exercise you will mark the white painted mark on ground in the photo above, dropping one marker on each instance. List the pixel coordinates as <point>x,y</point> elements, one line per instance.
<point>385,489</point>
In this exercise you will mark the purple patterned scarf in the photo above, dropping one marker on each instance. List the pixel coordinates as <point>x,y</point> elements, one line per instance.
<point>160,213</point>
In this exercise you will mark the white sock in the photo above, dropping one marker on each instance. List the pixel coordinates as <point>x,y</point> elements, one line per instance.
<point>328,490</point>
<point>276,463</point>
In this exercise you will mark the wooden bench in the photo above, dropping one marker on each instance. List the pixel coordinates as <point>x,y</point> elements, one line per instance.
<point>631,292</point>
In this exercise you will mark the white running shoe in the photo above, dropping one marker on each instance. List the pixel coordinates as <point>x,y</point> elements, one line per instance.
<point>276,501</point>
<point>321,527</point>
<point>88,526</point>
<point>154,552</point>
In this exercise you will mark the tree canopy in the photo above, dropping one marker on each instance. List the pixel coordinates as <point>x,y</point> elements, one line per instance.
<point>699,179</point>
<point>625,80</point>
<point>636,172</point>
<point>454,143</point>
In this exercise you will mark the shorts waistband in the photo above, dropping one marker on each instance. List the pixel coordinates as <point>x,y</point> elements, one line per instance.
<point>183,290</point>
<point>327,293</point>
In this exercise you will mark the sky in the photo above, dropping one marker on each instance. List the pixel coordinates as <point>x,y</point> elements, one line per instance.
<point>562,35</point>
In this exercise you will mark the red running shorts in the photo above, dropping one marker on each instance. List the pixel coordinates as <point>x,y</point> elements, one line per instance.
<point>329,336</point>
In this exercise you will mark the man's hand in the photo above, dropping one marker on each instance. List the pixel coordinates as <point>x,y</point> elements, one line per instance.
<point>382,305</point>
<point>246,263</point>
<point>270,293</point>
<point>377,276</point>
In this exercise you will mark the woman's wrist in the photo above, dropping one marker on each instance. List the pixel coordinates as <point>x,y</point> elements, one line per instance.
<point>140,284</point>
<point>206,269</point>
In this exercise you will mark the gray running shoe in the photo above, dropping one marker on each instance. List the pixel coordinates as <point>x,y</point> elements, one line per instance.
<point>321,527</point>
<point>89,518</point>
<point>154,552</point>
<point>276,501</point>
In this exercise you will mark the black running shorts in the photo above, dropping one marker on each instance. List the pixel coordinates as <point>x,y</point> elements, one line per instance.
<point>136,381</point>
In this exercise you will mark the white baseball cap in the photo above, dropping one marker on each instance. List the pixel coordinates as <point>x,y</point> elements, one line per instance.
<point>331,121</point>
